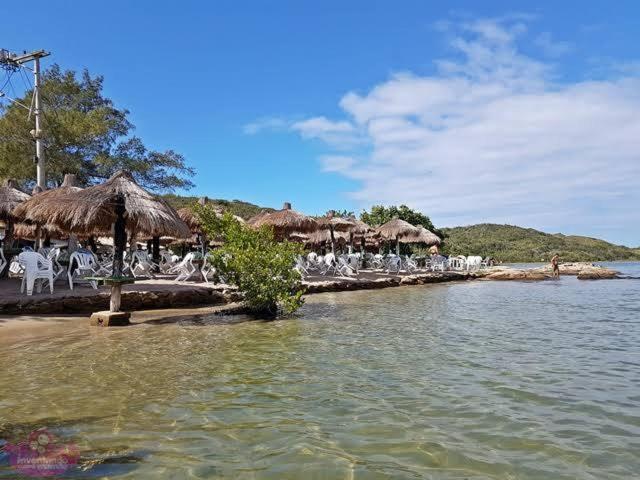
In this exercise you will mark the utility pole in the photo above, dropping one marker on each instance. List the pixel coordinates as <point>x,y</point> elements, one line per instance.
<point>14,61</point>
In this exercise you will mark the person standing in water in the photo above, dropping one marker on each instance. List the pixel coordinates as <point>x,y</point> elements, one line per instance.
<point>554,265</point>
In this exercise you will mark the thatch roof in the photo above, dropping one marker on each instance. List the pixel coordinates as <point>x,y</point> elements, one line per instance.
<point>10,198</point>
<point>253,220</point>
<point>358,227</point>
<point>339,224</point>
<point>93,210</point>
<point>187,215</point>
<point>324,236</point>
<point>37,208</point>
<point>423,236</point>
<point>190,218</point>
<point>286,221</point>
<point>298,237</point>
<point>396,228</point>
<point>30,232</point>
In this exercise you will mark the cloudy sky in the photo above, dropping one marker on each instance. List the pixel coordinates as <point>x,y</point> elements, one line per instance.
<point>471,113</point>
<point>493,135</point>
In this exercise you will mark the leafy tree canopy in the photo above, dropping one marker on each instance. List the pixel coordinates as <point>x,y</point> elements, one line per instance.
<point>508,243</point>
<point>255,262</point>
<point>340,213</point>
<point>83,133</point>
<point>380,214</point>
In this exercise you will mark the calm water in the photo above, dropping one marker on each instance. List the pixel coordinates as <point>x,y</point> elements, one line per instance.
<point>474,380</point>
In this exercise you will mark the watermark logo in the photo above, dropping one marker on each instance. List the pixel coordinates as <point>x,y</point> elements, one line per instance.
<point>42,455</point>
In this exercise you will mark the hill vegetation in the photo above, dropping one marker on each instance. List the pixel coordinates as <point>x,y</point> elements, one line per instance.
<point>508,243</point>
<point>242,209</point>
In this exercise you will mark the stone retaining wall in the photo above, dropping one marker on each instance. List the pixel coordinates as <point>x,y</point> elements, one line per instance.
<point>136,300</point>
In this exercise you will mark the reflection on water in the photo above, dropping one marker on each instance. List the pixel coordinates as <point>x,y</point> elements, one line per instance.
<point>471,380</point>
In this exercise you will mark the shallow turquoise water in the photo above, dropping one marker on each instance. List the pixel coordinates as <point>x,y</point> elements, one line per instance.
<point>513,380</point>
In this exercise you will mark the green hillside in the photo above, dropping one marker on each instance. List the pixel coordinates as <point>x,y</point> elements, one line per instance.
<point>508,243</point>
<point>245,210</point>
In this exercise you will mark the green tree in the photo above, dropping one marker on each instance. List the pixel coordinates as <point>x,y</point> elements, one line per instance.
<point>340,213</point>
<point>380,214</point>
<point>83,133</point>
<point>256,263</point>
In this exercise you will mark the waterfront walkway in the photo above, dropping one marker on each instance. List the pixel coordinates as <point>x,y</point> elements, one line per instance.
<point>163,292</point>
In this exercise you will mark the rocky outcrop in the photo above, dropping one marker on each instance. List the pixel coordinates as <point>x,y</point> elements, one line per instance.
<point>341,285</point>
<point>575,268</point>
<point>582,270</point>
<point>598,273</point>
<point>515,274</point>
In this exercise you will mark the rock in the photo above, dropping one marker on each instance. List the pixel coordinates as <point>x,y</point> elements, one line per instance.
<point>514,274</point>
<point>597,273</point>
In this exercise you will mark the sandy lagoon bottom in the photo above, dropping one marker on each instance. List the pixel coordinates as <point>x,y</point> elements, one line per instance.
<point>454,381</point>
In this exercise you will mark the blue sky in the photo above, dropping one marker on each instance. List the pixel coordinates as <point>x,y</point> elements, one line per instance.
<point>470,111</point>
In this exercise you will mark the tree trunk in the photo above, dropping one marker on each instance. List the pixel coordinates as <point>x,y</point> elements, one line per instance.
<point>398,246</point>
<point>116,297</point>
<point>155,244</point>
<point>333,241</point>
<point>119,245</point>
<point>91,242</point>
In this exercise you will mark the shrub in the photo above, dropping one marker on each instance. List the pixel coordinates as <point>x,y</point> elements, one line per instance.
<point>256,263</point>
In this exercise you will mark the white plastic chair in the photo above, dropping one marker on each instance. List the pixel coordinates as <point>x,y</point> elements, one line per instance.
<point>330,264</point>
<point>344,267</point>
<point>394,263</point>
<point>82,265</point>
<point>439,263</point>
<point>301,266</point>
<point>36,267</point>
<point>409,265</point>
<point>377,262</point>
<point>168,261</point>
<point>3,261</point>
<point>353,261</point>
<point>185,269</point>
<point>207,270</point>
<point>141,264</point>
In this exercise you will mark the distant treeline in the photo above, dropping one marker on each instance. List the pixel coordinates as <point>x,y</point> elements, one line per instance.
<point>242,209</point>
<point>508,243</point>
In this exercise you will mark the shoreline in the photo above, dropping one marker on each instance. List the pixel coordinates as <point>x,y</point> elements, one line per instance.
<point>162,294</point>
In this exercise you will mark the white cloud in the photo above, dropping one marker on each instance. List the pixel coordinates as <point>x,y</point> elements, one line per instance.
<point>266,124</point>
<point>337,163</point>
<point>551,47</point>
<point>336,133</point>
<point>492,137</point>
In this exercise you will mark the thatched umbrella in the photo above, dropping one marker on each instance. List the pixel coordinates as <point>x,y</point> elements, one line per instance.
<point>195,225</point>
<point>359,228</point>
<point>39,206</point>
<point>253,220</point>
<point>119,203</point>
<point>422,236</point>
<point>286,221</point>
<point>10,198</point>
<point>30,232</point>
<point>298,237</point>
<point>190,218</point>
<point>334,224</point>
<point>94,210</point>
<point>320,237</point>
<point>396,229</point>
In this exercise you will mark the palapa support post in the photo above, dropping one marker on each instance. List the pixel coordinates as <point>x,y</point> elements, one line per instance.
<point>114,317</point>
<point>155,249</point>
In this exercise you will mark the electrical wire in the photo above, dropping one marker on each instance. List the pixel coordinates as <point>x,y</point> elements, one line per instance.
<point>9,74</point>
